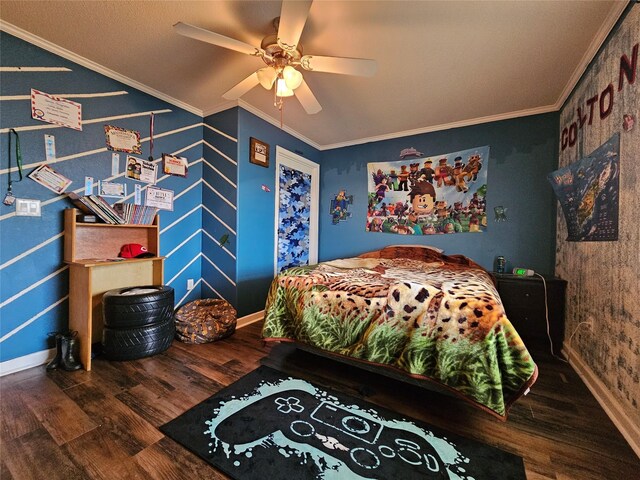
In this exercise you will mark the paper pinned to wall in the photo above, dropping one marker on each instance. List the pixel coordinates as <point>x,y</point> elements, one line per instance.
<point>56,110</point>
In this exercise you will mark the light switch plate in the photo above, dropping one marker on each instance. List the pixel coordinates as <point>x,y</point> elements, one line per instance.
<point>26,207</point>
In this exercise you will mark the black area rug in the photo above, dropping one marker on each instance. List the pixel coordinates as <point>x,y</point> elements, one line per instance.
<point>268,425</point>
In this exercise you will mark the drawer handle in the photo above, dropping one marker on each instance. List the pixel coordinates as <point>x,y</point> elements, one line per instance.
<point>527,295</point>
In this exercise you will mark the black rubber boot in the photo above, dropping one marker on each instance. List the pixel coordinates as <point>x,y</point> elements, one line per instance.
<point>57,360</point>
<point>69,344</point>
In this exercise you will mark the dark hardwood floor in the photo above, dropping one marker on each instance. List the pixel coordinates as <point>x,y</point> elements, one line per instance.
<point>104,424</point>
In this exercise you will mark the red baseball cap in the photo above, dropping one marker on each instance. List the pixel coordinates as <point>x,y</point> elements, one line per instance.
<point>134,250</point>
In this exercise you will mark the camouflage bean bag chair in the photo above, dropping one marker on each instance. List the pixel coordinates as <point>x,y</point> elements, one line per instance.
<point>204,321</point>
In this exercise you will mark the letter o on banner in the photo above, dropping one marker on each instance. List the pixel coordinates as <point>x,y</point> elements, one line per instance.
<point>573,134</point>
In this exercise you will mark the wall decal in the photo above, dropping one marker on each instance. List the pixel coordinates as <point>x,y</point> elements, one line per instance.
<point>339,207</point>
<point>443,194</point>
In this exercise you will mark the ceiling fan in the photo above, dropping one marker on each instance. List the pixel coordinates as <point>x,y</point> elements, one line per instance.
<point>283,56</point>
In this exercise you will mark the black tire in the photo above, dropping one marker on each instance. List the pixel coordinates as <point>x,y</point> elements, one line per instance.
<point>137,342</point>
<point>124,308</point>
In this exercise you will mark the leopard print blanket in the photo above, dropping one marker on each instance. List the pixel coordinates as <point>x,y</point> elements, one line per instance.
<point>427,315</point>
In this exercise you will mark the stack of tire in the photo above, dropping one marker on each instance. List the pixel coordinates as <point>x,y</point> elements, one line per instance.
<point>138,322</point>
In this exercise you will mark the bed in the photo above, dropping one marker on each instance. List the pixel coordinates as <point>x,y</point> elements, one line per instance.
<point>411,310</point>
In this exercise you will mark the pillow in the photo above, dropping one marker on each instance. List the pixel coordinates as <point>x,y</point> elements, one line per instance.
<point>439,250</point>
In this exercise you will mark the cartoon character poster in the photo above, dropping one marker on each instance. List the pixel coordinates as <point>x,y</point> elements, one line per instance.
<point>588,194</point>
<point>418,195</point>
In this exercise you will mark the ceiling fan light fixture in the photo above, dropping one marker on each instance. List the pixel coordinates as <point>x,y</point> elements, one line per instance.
<point>282,90</point>
<point>266,77</point>
<point>292,77</point>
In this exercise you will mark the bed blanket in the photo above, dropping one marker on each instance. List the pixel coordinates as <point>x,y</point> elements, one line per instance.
<point>431,316</point>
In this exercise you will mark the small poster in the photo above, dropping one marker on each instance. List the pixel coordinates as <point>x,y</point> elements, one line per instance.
<point>141,170</point>
<point>56,110</point>
<point>339,207</point>
<point>159,198</point>
<point>175,165</point>
<point>49,178</point>
<point>112,189</point>
<point>588,192</point>
<point>122,140</point>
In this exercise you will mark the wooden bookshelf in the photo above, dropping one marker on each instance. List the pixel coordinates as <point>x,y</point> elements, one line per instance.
<point>91,251</point>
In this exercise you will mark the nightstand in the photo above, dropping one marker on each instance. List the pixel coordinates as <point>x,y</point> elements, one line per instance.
<point>523,300</point>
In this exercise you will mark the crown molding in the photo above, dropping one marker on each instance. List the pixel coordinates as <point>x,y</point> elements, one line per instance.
<point>220,108</point>
<point>90,64</point>
<point>269,119</point>
<point>616,11</point>
<point>445,126</point>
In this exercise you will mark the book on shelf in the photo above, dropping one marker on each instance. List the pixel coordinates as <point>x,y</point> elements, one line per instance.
<point>136,214</point>
<point>95,205</point>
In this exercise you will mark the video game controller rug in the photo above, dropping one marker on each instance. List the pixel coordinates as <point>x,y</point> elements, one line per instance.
<point>268,425</point>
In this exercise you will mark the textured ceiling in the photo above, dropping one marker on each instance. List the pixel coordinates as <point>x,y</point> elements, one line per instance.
<point>440,63</point>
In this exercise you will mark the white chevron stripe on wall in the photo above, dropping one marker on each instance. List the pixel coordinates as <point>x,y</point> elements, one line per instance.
<point>66,95</point>
<point>86,122</point>
<point>31,250</point>
<point>33,69</point>
<point>32,319</point>
<point>219,132</point>
<point>226,157</point>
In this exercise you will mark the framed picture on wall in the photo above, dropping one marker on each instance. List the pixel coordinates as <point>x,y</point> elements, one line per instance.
<point>259,152</point>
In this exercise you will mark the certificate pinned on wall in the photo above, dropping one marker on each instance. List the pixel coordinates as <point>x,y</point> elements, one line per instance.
<point>173,165</point>
<point>159,198</point>
<point>56,110</point>
<point>141,170</point>
<point>49,178</point>
<point>122,140</point>
<point>112,189</point>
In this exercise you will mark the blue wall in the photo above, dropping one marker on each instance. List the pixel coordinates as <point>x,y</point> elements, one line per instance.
<point>522,152</point>
<point>219,200</point>
<point>256,234</point>
<point>33,278</point>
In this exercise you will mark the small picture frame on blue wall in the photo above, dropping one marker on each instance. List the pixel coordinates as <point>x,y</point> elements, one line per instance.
<point>259,153</point>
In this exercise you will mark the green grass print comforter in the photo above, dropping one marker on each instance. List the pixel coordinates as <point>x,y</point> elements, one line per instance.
<point>414,309</point>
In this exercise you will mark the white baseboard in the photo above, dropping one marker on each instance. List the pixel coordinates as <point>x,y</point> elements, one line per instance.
<point>612,407</point>
<point>249,319</point>
<point>27,361</point>
<point>45,356</point>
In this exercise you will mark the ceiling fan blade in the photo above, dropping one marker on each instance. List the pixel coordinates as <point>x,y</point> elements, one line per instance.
<point>307,98</point>
<point>243,87</point>
<point>216,39</point>
<point>293,16</point>
<point>361,67</point>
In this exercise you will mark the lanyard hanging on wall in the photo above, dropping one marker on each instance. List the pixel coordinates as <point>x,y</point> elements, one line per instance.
<point>151,119</point>
<point>9,198</point>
